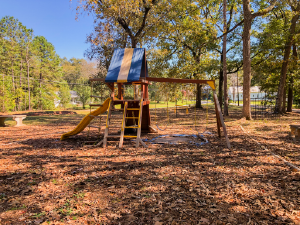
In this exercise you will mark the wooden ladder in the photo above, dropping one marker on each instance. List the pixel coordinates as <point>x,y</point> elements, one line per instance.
<point>123,126</point>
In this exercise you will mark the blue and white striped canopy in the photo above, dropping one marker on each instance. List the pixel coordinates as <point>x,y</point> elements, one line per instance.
<point>127,65</point>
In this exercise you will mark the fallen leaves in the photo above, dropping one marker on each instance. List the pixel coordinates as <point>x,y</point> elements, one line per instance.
<point>43,179</point>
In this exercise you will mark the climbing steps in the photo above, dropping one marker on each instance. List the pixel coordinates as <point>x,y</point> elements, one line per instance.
<point>126,111</point>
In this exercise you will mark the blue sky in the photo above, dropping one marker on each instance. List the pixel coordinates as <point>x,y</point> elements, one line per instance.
<point>55,20</point>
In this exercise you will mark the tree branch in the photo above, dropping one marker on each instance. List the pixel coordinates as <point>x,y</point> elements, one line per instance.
<point>230,17</point>
<point>239,24</point>
<point>125,26</point>
<point>147,9</point>
<point>264,11</point>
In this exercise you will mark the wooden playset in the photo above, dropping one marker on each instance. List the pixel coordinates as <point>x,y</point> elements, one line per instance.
<point>129,67</point>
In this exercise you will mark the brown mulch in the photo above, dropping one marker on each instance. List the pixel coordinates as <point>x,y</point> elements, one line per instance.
<point>48,181</point>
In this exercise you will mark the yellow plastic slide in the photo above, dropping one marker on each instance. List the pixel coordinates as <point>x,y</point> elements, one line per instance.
<point>86,120</point>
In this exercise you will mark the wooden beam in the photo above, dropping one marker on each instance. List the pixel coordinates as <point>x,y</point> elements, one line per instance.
<point>110,85</point>
<point>120,92</point>
<point>166,80</point>
<point>175,80</point>
<point>221,119</point>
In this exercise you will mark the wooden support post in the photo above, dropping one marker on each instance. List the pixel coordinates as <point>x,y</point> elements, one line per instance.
<point>221,118</point>
<point>123,125</point>
<point>107,124</point>
<point>112,94</point>
<point>218,118</point>
<point>120,91</point>
<point>138,139</point>
<point>111,86</point>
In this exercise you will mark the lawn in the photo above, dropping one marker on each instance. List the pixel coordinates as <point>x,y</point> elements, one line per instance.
<point>48,181</point>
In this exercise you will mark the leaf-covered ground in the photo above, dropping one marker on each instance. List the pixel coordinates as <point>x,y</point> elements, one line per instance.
<point>47,181</point>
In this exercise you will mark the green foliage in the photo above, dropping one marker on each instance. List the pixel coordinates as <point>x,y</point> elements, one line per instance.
<point>267,63</point>
<point>32,72</point>
<point>7,100</point>
<point>64,94</point>
<point>27,65</point>
<point>84,91</point>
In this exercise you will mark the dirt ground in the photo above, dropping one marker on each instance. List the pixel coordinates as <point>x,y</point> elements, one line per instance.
<point>47,181</point>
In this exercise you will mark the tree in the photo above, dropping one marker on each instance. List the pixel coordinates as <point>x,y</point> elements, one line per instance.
<point>232,48</point>
<point>224,50</point>
<point>248,18</point>
<point>270,54</point>
<point>102,48</point>
<point>291,81</point>
<point>140,20</point>
<point>28,59</point>
<point>48,67</point>
<point>71,70</point>
<point>83,91</point>
<point>189,35</point>
<point>10,35</point>
<point>295,7</point>
<point>64,94</point>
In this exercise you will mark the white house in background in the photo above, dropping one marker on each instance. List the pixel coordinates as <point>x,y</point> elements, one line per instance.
<point>74,98</point>
<point>255,92</point>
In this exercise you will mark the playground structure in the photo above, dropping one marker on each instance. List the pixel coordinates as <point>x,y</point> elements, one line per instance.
<point>129,67</point>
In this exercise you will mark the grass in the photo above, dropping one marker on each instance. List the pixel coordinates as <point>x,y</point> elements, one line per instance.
<point>74,119</point>
<point>45,120</point>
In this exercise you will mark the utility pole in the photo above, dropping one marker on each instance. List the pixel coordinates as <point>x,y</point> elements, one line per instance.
<point>237,87</point>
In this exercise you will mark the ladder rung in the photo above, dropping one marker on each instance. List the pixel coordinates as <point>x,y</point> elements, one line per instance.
<point>113,126</point>
<point>131,117</point>
<point>132,127</point>
<point>133,108</point>
<point>96,105</point>
<point>113,136</point>
<point>130,136</point>
<point>126,101</point>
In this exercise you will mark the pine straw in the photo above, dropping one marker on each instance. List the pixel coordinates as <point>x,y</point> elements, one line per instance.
<point>44,180</point>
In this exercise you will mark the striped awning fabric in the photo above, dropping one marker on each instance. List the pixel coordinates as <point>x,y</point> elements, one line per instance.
<point>127,65</point>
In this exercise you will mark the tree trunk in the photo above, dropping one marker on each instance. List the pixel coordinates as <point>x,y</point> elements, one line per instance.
<point>20,85</point>
<point>13,81</point>
<point>3,106</point>
<point>28,83</point>
<point>198,97</point>
<point>221,83</point>
<point>284,68</point>
<point>136,88</point>
<point>40,102</point>
<point>246,60</point>
<point>291,83</point>
<point>224,59</point>
<point>284,101</point>
<point>25,101</point>
<point>290,96</point>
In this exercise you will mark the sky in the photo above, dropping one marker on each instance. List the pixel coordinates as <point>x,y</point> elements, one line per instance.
<point>55,20</point>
